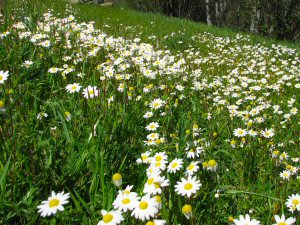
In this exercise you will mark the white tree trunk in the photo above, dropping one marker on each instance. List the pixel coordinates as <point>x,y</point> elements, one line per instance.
<point>208,16</point>
<point>217,7</point>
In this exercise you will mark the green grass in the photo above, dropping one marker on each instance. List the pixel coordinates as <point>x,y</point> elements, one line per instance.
<point>204,78</point>
<point>143,25</point>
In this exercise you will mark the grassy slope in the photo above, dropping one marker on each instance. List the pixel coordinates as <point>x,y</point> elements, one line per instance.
<point>118,17</point>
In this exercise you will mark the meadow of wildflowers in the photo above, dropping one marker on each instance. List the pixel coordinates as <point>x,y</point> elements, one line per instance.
<point>102,129</point>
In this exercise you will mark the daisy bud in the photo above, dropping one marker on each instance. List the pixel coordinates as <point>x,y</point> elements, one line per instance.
<point>215,134</point>
<point>187,211</point>
<point>117,179</point>
<point>212,165</point>
<point>230,219</point>
<point>1,104</point>
<point>68,116</point>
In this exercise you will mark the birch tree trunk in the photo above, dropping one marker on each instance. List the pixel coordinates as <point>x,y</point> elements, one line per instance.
<point>208,16</point>
<point>217,8</point>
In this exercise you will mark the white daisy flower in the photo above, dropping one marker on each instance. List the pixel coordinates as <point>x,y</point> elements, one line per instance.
<point>285,175</point>
<point>53,204</point>
<point>192,168</point>
<point>240,132</point>
<point>156,222</point>
<point>148,115</point>
<point>3,76</point>
<point>153,136</point>
<point>145,209</point>
<point>157,103</point>
<point>293,202</point>
<point>111,218</point>
<point>246,221</point>
<point>41,115</point>
<point>187,187</point>
<point>152,126</point>
<point>71,88</point>
<point>267,133</point>
<point>125,202</point>
<point>175,165</point>
<point>90,92</point>
<point>282,221</point>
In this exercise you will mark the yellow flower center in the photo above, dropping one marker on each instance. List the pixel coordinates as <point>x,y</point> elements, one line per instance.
<point>144,157</point>
<point>152,126</point>
<point>158,164</point>
<point>1,77</point>
<point>188,186</point>
<point>107,218</point>
<point>91,92</point>
<point>1,104</point>
<point>126,192</point>
<point>186,209</point>
<point>143,205</point>
<point>240,132</point>
<point>174,165</point>
<point>150,181</point>
<point>157,185</point>
<point>282,223</point>
<point>212,163</point>
<point>74,87</point>
<point>157,198</point>
<point>156,104</point>
<point>150,223</point>
<point>53,203</point>
<point>117,177</point>
<point>191,167</point>
<point>126,201</point>
<point>295,202</point>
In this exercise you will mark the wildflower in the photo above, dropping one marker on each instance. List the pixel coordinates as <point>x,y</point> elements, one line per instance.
<point>285,175</point>
<point>111,218</point>
<point>158,201</point>
<point>187,211</point>
<point>175,165</point>
<point>152,126</point>
<point>145,209</point>
<point>41,115</point>
<point>282,221</point>
<point>3,76</point>
<point>233,143</point>
<point>1,104</point>
<point>125,201</point>
<point>239,132</point>
<point>90,92</point>
<point>53,204</point>
<point>156,222</point>
<point>148,115</point>
<point>27,64</point>
<point>71,88</point>
<point>293,202</point>
<point>192,168</point>
<point>157,103</point>
<point>267,133</point>
<point>117,179</point>
<point>187,187</point>
<point>212,165</point>
<point>246,221</point>
<point>283,156</point>
<point>153,136</point>
<point>68,116</point>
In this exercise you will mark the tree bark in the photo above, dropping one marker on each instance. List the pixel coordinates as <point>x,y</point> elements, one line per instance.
<point>208,16</point>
